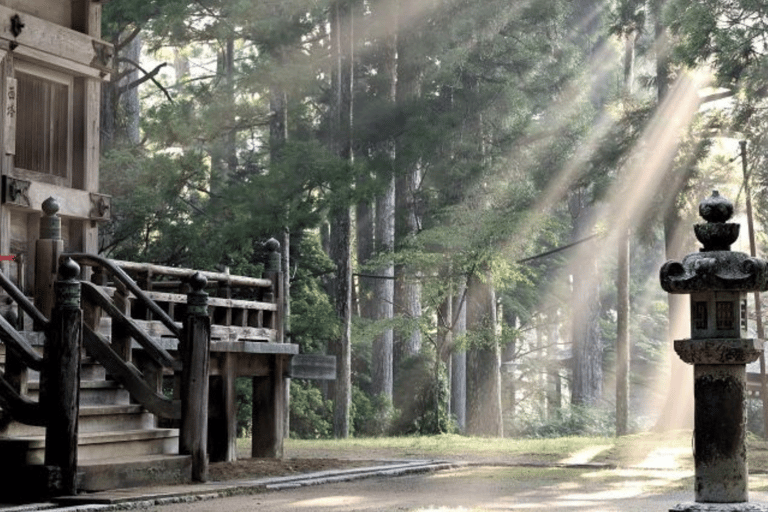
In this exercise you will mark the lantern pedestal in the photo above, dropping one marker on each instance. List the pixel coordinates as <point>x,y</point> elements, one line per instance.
<point>718,280</point>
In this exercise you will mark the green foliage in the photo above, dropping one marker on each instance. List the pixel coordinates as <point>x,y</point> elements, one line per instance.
<point>313,318</point>
<point>423,398</point>
<point>571,421</point>
<point>370,416</point>
<point>244,399</point>
<point>310,415</point>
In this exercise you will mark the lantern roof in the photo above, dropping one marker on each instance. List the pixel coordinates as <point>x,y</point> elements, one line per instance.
<point>715,267</point>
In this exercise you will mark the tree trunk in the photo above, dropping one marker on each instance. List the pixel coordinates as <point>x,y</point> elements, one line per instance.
<point>554,386</point>
<point>384,288</point>
<point>586,346</point>
<point>384,294</point>
<point>459,362</point>
<point>622,337</point>
<point>483,362</point>
<point>587,381</point>
<point>278,136</point>
<point>407,287</point>
<point>364,226</point>
<point>341,221</point>
<point>622,279</point>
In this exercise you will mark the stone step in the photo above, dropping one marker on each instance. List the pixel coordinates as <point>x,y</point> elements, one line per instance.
<point>90,369</point>
<point>29,484</point>
<point>96,392</point>
<point>104,446</point>
<point>122,472</point>
<point>96,418</point>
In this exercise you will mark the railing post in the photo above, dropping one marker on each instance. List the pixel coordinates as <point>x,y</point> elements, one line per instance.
<point>274,273</point>
<point>60,378</point>
<point>195,353</point>
<point>47,251</point>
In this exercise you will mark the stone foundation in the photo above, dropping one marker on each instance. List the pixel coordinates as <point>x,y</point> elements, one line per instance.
<point>720,507</point>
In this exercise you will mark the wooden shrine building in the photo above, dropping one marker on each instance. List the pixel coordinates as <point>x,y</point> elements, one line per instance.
<point>114,373</point>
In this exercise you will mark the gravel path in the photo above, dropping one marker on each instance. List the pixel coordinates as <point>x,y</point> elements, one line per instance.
<point>481,488</point>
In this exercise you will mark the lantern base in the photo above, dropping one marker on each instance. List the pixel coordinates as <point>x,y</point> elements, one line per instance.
<point>719,351</point>
<point>720,507</point>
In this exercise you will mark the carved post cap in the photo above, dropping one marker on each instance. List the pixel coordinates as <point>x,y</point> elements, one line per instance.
<point>273,261</point>
<point>68,287</point>
<point>50,223</point>
<point>69,269</point>
<point>50,207</point>
<point>197,299</point>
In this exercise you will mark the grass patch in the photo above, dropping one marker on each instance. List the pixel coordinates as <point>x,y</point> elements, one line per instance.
<point>643,448</point>
<point>449,446</point>
<point>650,450</point>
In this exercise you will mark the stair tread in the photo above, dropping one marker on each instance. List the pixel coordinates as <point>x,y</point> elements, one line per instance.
<point>133,459</point>
<point>106,437</point>
<point>87,384</point>
<point>95,410</point>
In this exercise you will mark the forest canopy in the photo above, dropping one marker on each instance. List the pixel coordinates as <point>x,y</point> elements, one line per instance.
<point>473,197</point>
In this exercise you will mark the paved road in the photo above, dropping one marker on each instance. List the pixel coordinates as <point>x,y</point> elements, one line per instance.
<point>481,488</point>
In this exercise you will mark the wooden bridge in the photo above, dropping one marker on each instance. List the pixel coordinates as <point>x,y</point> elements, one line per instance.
<point>129,377</point>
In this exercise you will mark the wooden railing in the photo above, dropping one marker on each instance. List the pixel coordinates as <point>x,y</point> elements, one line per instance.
<point>171,304</point>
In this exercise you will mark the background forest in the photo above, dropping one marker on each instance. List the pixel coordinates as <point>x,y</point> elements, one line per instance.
<point>473,197</point>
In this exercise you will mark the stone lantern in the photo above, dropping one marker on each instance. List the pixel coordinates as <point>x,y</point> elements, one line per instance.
<point>718,280</point>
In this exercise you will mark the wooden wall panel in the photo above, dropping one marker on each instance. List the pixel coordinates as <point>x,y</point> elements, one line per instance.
<point>55,11</point>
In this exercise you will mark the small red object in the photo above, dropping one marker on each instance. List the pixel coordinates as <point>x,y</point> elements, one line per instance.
<point>7,258</point>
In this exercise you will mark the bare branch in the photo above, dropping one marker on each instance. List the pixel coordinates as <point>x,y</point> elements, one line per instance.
<point>147,76</point>
<point>125,42</point>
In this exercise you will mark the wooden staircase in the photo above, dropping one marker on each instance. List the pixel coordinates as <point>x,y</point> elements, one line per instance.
<point>119,444</point>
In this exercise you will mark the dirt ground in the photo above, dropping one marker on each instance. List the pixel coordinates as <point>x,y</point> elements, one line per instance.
<point>480,489</point>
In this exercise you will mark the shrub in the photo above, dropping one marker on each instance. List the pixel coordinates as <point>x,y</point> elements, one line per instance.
<point>421,398</point>
<point>572,421</point>
<point>311,416</point>
<point>371,416</point>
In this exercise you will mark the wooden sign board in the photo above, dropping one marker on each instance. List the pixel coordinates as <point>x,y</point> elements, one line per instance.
<point>313,367</point>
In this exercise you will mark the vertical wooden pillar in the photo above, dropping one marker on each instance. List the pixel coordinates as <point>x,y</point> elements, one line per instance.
<point>222,427</point>
<point>60,378</point>
<point>195,353</point>
<point>269,410</point>
<point>274,273</point>
<point>48,249</point>
<point>121,341</point>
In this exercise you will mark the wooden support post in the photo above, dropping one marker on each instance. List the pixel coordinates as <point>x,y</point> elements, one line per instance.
<point>222,427</point>
<point>121,341</point>
<point>91,312</point>
<point>48,249</point>
<point>195,353</point>
<point>274,274</point>
<point>16,372</point>
<point>269,410</point>
<point>60,378</point>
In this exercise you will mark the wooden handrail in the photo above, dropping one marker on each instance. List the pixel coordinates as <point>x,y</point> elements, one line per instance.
<point>233,280</point>
<point>19,346</point>
<point>118,273</point>
<point>22,300</point>
<point>21,408</point>
<point>129,377</point>
<point>160,355</point>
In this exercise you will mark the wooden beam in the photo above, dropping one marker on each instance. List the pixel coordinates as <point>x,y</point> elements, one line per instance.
<point>57,45</point>
<point>73,203</point>
<point>313,367</point>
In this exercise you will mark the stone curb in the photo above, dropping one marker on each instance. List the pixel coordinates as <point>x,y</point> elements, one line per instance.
<point>212,490</point>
